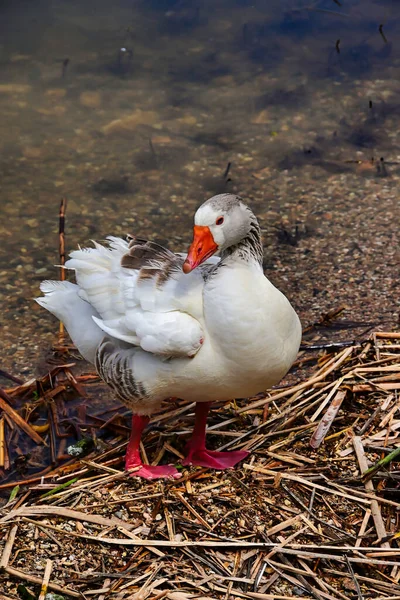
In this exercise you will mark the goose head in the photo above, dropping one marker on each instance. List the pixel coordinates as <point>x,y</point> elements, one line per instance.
<point>221,222</point>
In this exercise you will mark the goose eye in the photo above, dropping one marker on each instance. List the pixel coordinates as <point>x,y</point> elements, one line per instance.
<point>219,221</point>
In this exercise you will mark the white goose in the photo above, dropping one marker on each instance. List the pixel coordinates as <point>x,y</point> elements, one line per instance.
<point>157,325</point>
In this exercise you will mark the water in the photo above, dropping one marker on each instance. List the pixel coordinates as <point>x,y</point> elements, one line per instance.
<point>132,110</point>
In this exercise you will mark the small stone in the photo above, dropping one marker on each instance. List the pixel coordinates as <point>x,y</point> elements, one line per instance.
<point>196,49</point>
<point>57,111</point>
<point>90,99</point>
<point>187,120</point>
<point>74,451</point>
<point>161,139</point>
<point>263,118</point>
<point>126,125</point>
<point>14,88</point>
<point>222,25</point>
<point>224,80</point>
<point>56,93</point>
<point>32,152</point>
<point>20,58</point>
<point>263,173</point>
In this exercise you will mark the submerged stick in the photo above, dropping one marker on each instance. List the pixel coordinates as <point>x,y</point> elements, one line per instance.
<point>18,420</point>
<point>382,34</point>
<point>64,67</point>
<point>10,377</point>
<point>61,235</point>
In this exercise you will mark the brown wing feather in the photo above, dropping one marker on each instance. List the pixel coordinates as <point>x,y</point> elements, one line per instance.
<point>151,260</point>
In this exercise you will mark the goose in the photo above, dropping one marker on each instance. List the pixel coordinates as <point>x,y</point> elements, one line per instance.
<point>158,325</point>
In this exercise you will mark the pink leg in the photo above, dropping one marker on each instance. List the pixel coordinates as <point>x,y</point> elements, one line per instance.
<point>197,452</point>
<point>132,457</point>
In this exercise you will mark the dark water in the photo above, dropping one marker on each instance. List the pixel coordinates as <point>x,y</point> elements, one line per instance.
<point>134,110</point>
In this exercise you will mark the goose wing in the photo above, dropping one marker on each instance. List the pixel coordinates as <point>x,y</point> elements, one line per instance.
<point>142,296</point>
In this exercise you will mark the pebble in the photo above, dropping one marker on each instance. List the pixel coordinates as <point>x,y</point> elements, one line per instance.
<point>32,152</point>
<point>56,93</point>
<point>90,99</point>
<point>125,125</point>
<point>57,111</point>
<point>263,117</point>
<point>187,120</point>
<point>14,88</point>
<point>20,58</point>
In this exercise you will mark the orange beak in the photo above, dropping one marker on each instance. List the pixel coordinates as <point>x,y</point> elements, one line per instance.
<point>202,247</point>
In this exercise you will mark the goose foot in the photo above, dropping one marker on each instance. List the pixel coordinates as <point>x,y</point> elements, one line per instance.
<point>154,472</point>
<point>133,459</point>
<point>214,459</point>
<point>198,455</point>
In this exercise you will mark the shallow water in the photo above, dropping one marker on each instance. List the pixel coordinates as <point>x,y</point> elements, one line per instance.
<point>133,111</point>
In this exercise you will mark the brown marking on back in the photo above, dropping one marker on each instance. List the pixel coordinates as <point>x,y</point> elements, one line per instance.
<point>151,260</point>
<point>138,257</point>
<point>144,251</point>
<point>147,273</point>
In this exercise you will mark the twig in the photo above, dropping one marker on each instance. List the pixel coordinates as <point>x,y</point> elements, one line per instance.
<point>155,551</point>
<point>10,377</point>
<point>192,510</point>
<point>33,579</point>
<point>304,481</point>
<point>384,462</point>
<point>305,550</point>
<point>46,578</point>
<point>326,422</point>
<point>2,443</point>
<point>369,421</point>
<point>5,557</point>
<point>382,34</point>
<point>326,370</point>
<point>26,511</point>
<point>375,508</point>
<point>61,235</point>
<point>354,578</point>
<point>363,527</point>
<point>329,345</point>
<point>4,399</point>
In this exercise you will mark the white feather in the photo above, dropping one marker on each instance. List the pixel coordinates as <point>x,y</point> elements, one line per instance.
<point>62,299</point>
